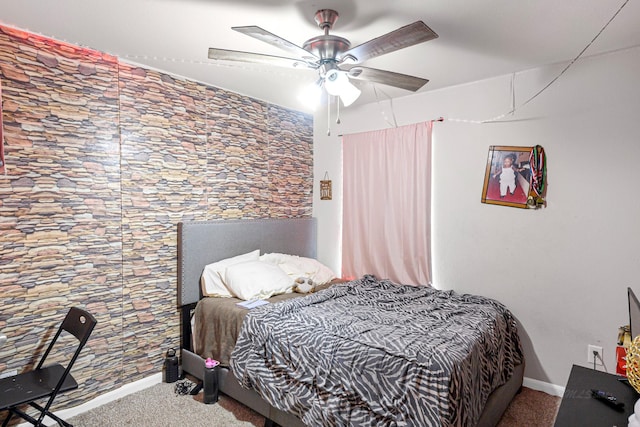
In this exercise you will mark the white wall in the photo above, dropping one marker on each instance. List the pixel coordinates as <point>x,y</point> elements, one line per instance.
<point>562,270</point>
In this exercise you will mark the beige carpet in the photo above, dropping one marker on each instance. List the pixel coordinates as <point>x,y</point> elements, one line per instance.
<point>531,408</point>
<point>159,406</point>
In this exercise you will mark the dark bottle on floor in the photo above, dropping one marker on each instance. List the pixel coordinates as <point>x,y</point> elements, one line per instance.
<point>171,366</point>
<point>210,381</point>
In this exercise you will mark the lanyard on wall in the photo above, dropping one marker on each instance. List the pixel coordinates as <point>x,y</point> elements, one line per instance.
<point>538,163</point>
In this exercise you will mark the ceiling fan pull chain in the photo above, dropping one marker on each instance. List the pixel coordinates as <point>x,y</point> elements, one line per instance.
<point>338,110</point>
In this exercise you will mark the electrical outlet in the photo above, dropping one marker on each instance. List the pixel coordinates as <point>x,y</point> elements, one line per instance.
<point>590,356</point>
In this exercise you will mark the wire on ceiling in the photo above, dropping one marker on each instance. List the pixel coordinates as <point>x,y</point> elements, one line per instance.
<point>564,70</point>
<point>393,111</point>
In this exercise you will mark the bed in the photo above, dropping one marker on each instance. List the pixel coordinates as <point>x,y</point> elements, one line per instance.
<point>201,243</point>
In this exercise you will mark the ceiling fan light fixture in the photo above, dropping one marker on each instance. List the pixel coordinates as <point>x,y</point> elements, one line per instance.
<point>349,94</point>
<point>311,94</point>
<point>337,84</point>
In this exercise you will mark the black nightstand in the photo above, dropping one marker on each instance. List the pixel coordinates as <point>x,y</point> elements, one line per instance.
<point>578,408</point>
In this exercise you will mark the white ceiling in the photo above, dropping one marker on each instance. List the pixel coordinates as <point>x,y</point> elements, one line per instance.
<point>478,39</point>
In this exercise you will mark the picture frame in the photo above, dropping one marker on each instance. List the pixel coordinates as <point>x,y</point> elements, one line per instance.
<point>507,178</point>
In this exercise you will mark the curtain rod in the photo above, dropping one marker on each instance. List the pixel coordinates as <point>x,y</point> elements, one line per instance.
<point>439,119</point>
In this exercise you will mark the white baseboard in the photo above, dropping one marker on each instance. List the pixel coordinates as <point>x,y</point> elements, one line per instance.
<point>123,391</point>
<point>552,389</point>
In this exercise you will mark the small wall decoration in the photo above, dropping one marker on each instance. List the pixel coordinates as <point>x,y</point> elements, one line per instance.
<point>325,187</point>
<point>507,179</point>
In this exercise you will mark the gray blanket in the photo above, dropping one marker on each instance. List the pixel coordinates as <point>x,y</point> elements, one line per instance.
<point>373,353</point>
<point>218,322</point>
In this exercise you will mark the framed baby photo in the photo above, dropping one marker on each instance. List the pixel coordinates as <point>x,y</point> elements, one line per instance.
<point>507,177</point>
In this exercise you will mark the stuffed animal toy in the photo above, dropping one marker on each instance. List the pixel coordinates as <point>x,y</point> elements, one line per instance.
<point>304,285</point>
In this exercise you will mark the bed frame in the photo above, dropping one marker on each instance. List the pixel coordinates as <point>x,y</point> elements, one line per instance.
<point>204,242</point>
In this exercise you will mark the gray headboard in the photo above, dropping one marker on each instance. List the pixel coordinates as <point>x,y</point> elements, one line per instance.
<point>203,242</point>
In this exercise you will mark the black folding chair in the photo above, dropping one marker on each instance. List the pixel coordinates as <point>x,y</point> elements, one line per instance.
<point>46,381</point>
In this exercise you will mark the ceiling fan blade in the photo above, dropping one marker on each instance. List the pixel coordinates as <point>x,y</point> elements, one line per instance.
<point>406,36</point>
<point>254,58</point>
<point>279,42</point>
<point>389,78</point>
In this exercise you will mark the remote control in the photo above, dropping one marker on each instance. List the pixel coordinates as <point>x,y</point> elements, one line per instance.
<point>607,398</point>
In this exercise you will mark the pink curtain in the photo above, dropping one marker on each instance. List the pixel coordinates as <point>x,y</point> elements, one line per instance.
<point>386,224</point>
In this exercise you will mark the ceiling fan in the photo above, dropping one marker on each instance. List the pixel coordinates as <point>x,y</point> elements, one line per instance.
<point>333,56</point>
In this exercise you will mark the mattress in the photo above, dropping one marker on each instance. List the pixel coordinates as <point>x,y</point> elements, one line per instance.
<point>371,352</point>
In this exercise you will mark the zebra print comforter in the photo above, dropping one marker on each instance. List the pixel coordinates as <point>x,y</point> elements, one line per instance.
<point>373,353</point>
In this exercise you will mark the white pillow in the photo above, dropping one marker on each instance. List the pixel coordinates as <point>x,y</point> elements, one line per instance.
<point>296,266</point>
<point>257,280</point>
<point>212,280</point>
<point>275,258</point>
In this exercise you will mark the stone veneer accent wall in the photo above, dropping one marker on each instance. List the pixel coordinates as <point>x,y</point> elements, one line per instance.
<point>103,160</point>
